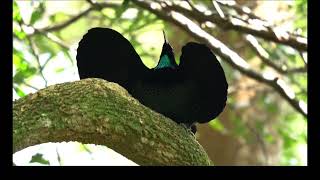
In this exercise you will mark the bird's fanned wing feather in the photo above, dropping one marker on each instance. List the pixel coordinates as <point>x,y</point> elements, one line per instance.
<point>105,53</point>
<point>200,66</point>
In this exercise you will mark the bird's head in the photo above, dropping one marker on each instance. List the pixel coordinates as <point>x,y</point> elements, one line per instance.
<point>167,56</point>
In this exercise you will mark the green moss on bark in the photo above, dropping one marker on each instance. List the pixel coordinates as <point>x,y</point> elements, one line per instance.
<point>100,112</point>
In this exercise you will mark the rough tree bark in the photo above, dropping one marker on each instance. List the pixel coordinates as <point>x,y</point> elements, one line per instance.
<point>99,112</point>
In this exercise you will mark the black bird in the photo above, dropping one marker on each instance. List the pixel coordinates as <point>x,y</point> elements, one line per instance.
<point>193,91</point>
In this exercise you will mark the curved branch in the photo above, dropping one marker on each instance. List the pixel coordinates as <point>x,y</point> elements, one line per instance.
<point>240,9</point>
<point>94,111</point>
<point>244,10</point>
<point>225,53</point>
<point>257,29</point>
<point>264,56</point>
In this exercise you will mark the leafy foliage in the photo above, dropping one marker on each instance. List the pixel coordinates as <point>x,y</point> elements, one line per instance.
<point>37,158</point>
<point>301,11</point>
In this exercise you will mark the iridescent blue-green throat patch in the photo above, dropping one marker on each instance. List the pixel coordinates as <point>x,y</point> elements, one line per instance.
<point>164,63</point>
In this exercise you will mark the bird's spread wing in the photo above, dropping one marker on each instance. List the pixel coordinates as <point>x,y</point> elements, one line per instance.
<point>105,53</point>
<point>200,66</point>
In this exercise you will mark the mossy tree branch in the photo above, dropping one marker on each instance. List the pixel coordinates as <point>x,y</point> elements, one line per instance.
<point>94,111</point>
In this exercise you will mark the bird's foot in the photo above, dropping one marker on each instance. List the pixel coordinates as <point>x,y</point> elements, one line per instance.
<point>190,128</point>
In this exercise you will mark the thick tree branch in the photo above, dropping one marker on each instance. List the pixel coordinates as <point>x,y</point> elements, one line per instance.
<point>264,56</point>
<point>94,111</point>
<point>243,10</point>
<point>257,29</point>
<point>224,52</point>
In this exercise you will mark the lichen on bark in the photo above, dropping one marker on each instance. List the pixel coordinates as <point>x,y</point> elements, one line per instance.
<point>94,111</point>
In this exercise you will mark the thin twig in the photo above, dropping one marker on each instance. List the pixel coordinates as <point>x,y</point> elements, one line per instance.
<point>303,59</point>
<point>58,156</point>
<point>29,85</point>
<point>93,7</point>
<point>68,22</point>
<point>40,68</point>
<point>260,141</point>
<point>218,9</point>
<point>36,56</point>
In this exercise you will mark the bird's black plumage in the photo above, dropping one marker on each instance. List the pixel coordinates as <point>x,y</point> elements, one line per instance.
<point>193,91</point>
<point>104,53</point>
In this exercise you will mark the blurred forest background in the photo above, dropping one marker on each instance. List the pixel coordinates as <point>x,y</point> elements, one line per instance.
<point>262,46</point>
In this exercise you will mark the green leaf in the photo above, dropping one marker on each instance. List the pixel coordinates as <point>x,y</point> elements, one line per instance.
<point>269,138</point>
<point>37,14</point>
<point>217,125</point>
<point>20,34</point>
<point>122,9</point>
<point>300,8</point>
<point>59,17</point>
<point>110,13</point>
<point>19,92</point>
<point>19,61</point>
<point>16,12</point>
<point>21,75</point>
<point>23,69</point>
<point>67,55</point>
<point>45,45</point>
<point>84,148</point>
<point>18,78</point>
<point>59,69</point>
<point>125,3</point>
<point>39,159</point>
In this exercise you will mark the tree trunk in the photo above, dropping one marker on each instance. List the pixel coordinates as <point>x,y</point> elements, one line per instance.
<point>94,111</point>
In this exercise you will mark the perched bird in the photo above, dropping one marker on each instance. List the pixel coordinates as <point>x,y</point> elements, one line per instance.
<point>193,91</point>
